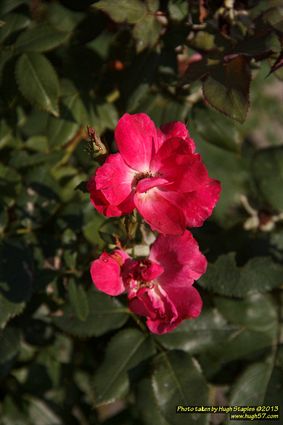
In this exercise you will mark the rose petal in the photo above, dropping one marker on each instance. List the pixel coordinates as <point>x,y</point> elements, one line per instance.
<point>114,179</point>
<point>187,301</point>
<point>184,171</point>
<point>199,205</point>
<point>157,307</point>
<point>148,183</point>
<point>178,129</point>
<point>181,259</point>
<point>106,272</point>
<point>137,138</point>
<point>152,271</point>
<point>135,271</point>
<point>102,205</point>
<point>100,202</point>
<point>166,310</point>
<point>160,213</point>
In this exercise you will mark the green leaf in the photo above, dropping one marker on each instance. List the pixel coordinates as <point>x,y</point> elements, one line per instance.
<point>44,186</point>
<point>8,310</point>
<point>130,11</point>
<point>277,239</point>
<point>274,392</point>
<point>243,344</point>
<point>177,380</point>
<point>38,81</point>
<point>231,170</point>
<point>62,18</point>
<point>137,96</point>
<point>256,327</point>
<point>9,184</point>
<point>267,167</point>
<point>256,312</point>
<point>279,74</point>
<point>126,350</point>
<point>11,414</point>
<point>82,187</point>
<point>203,41</point>
<point>72,181</point>
<point>250,388</point>
<point>162,108</point>
<point>8,5</point>
<point>40,39</point>
<point>107,115</point>
<point>198,335</point>
<point>35,123</point>
<point>5,57</point>
<point>152,5</point>
<point>147,32</point>
<point>16,272</point>
<point>146,404</point>
<point>102,44</point>
<point>38,144</point>
<point>260,7</point>
<point>178,9</point>
<point>10,340</point>
<point>23,160</point>
<point>274,17</point>
<point>227,88</point>
<point>60,131</point>
<point>224,277</point>
<point>12,23</point>
<point>91,229</point>
<point>105,313</point>
<point>216,129</point>
<point>6,136</point>
<point>78,299</point>
<point>73,115</point>
<point>41,413</point>
<point>4,219</point>
<point>258,385</point>
<point>110,229</point>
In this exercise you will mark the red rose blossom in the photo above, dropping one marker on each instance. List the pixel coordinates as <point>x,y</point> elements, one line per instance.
<point>157,172</point>
<point>159,287</point>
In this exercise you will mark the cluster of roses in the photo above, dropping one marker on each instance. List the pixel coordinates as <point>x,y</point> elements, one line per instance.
<point>157,172</point>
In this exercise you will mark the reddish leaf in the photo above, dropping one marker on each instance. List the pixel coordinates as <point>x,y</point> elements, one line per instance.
<point>227,87</point>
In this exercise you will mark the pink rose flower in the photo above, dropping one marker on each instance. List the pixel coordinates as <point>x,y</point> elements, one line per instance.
<point>157,172</point>
<point>106,271</point>
<point>159,287</point>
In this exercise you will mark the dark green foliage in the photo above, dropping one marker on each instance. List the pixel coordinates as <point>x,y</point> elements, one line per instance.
<point>172,385</point>
<point>260,274</point>
<point>66,349</point>
<point>90,313</point>
<point>38,81</point>
<point>126,350</point>
<point>268,174</point>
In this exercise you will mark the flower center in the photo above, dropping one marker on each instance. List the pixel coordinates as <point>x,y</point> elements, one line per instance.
<point>140,176</point>
<point>137,277</point>
<point>143,284</point>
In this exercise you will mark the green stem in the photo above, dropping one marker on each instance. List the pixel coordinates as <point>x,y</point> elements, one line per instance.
<point>139,323</point>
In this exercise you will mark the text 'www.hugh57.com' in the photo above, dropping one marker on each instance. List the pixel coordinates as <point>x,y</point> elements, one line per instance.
<point>236,413</point>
